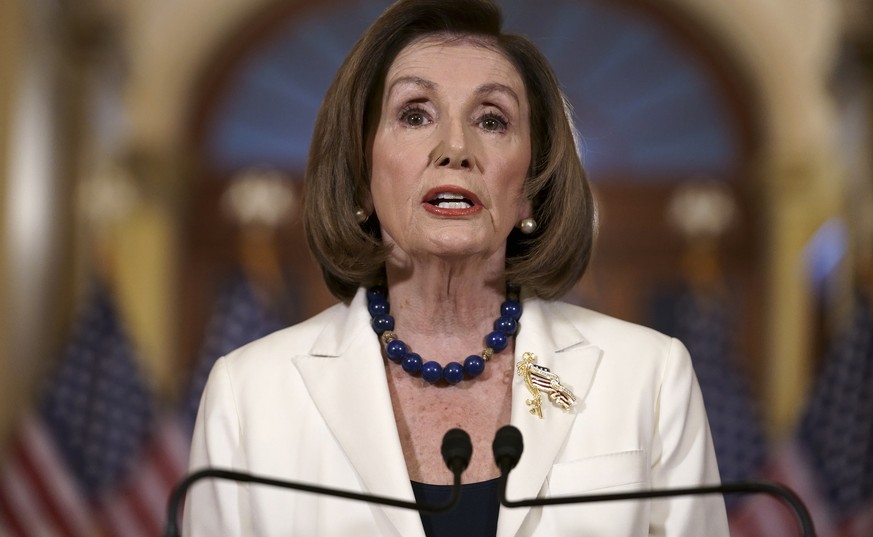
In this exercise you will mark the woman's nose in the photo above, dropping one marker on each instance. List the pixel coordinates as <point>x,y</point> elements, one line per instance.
<point>454,161</point>
<point>456,148</point>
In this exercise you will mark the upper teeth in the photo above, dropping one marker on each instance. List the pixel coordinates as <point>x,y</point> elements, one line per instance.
<point>452,201</point>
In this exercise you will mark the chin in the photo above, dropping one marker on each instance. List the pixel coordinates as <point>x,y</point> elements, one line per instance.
<point>460,247</point>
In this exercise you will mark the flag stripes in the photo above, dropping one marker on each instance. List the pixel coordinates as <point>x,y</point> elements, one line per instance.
<point>41,493</point>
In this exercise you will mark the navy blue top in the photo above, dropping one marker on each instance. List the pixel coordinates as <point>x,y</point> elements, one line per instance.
<point>475,515</point>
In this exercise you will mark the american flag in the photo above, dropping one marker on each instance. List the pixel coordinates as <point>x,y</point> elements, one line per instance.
<point>836,433</point>
<point>95,457</point>
<point>829,461</point>
<point>240,315</point>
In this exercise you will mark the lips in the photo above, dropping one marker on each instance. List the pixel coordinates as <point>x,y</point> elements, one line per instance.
<point>451,201</point>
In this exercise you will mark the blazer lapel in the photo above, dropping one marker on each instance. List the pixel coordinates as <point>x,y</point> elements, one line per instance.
<point>560,346</point>
<point>345,377</point>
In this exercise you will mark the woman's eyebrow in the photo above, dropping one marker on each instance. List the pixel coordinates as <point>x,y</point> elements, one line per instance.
<point>429,85</point>
<point>422,83</point>
<point>496,87</point>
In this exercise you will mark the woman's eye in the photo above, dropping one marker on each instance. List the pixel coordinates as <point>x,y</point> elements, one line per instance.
<point>493,122</point>
<point>414,117</point>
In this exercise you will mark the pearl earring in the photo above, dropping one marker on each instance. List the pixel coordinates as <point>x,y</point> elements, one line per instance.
<point>527,226</point>
<point>361,215</point>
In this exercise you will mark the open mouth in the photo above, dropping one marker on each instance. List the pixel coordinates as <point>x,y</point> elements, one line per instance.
<point>450,200</point>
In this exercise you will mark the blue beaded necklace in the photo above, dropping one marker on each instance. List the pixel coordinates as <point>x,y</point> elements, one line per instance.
<point>398,352</point>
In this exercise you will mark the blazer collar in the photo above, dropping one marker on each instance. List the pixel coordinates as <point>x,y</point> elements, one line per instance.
<point>345,376</point>
<point>559,345</point>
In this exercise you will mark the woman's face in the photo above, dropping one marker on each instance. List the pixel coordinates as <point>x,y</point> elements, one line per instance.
<point>451,151</point>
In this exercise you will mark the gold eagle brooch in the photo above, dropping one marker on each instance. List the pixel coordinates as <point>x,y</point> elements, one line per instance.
<point>540,380</point>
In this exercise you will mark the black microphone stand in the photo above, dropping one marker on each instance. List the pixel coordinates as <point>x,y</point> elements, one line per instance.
<point>508,447</point>
<point>456,451</point>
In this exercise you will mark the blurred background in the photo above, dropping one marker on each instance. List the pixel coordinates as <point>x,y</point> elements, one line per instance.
<point>151,156</point>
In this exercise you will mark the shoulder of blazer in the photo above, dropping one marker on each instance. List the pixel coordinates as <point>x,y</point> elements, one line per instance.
<point>290,341</point>
<point>611,333</point>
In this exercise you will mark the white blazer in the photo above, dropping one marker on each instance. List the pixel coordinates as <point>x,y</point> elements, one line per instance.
<point>310,403</point>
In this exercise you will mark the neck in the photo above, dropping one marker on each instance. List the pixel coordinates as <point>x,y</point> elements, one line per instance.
<point>445,301</point>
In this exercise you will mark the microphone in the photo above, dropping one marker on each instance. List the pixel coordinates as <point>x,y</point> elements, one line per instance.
<point>456,450</point>
<point>508,446</point>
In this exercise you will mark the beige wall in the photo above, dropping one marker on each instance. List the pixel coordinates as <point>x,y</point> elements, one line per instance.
<point>34,214</point>
<point>11,23</point>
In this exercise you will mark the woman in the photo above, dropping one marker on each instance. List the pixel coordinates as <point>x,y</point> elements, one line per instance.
<point>443,191</point>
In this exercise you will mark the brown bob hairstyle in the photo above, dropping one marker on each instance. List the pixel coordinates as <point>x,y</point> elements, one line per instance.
<point>549,261</point>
